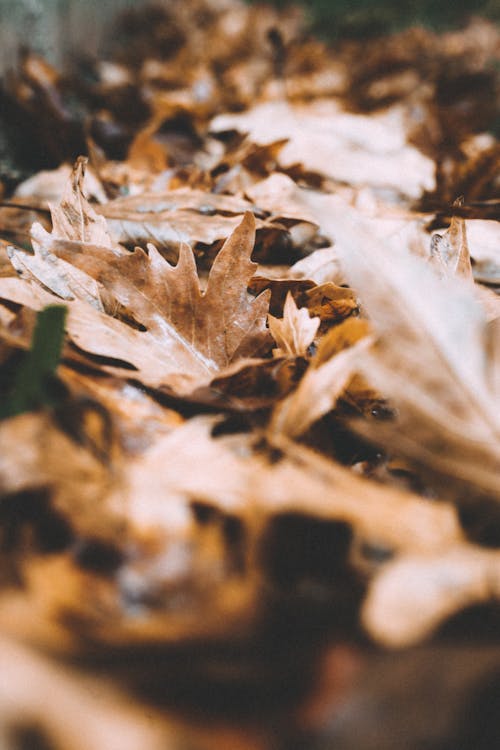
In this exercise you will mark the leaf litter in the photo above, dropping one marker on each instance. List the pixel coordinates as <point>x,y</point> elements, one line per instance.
<point>272,426</point>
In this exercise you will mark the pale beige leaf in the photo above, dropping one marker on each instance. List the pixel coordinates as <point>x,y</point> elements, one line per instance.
<point>414,594</point>
<point>280,195</point>
<point>317,392</point>
<point>430,358</point>
<point>73,218</point>
<point>450,251</point>
<point>170,218</point>
<point>50,184</point>
<point>484,244</point>
<point>320,266</point>
<point>295,331</point>
<point>71,709</point>
<point>353,148</point>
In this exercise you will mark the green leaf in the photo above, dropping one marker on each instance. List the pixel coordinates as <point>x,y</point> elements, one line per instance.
<point>34,380</point>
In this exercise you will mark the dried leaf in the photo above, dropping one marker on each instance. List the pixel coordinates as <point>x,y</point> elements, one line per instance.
<point>189,337</point>
<point>319,389</point>
<point>451,250</point>
<point>295,332</point>
<point>59,705</point>
<point>321,266</point>
<point>191,334</point>
<point>430,358</point>
<point>358,149</point>
<point>168,219</point>
<point>414,594</point>
<point>73,218</point>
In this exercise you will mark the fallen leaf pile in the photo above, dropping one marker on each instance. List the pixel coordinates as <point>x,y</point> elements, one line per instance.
<point>254,461</point>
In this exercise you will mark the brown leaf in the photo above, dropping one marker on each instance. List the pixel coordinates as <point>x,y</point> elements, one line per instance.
<point>189,336</point>
<point>212,335</point>
<point>169,218</point>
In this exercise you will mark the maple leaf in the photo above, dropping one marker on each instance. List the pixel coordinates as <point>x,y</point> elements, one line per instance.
<point>193,333</point>
<point>188,336</point>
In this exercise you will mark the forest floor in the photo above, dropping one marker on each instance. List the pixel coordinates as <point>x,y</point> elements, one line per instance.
<point>250,377</point>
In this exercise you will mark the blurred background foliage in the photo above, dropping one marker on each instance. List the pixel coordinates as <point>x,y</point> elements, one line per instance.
<point>366,18</point>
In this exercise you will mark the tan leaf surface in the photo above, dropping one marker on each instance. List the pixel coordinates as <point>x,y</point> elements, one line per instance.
<point>168,219</point>
<point>35,692</point>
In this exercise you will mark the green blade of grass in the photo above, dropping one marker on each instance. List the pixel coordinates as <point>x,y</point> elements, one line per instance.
<point>31,387</point>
